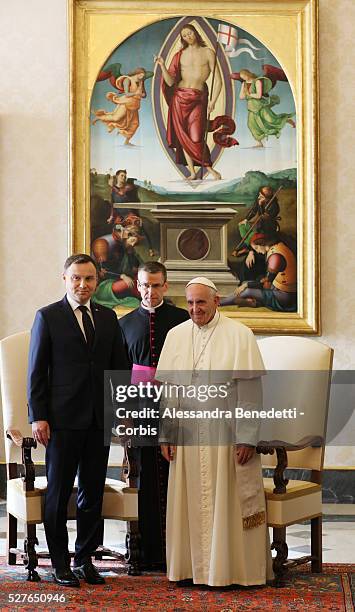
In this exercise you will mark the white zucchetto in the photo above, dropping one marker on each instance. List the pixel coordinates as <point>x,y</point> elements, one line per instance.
<point>202,280</point>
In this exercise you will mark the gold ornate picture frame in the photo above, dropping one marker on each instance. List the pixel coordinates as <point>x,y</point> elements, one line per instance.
<point>266,64</point>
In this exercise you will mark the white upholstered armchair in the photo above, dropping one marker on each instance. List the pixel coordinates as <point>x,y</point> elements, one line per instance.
<point>295,500</point>
<point>25,491</point>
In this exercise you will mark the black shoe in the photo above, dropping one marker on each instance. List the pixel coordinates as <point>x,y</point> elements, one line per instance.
<point>184,583</point>
<point>89,573</point>
<point>153,567</point>
<point>65,577</point>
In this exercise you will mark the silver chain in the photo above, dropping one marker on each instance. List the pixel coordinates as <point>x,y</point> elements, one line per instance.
<point>194,363</point>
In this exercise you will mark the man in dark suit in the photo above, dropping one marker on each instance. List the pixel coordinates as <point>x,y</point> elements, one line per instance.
<point>73,342</point>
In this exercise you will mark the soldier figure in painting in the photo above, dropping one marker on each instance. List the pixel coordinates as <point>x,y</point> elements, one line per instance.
<point>122,193</point>
<point>278,289</point>
<point>118,263</point>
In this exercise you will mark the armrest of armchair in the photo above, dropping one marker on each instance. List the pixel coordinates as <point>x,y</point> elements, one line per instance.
<point>131,465</point>
<point>281,448</point>
<point>28,475</point>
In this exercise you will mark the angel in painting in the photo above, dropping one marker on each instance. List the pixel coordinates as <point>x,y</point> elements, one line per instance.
<point>262,120</point>
<point>131,90</point>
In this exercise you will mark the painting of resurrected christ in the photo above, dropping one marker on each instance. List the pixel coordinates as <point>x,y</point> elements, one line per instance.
<point>208,124</point>
<point>191,104</point>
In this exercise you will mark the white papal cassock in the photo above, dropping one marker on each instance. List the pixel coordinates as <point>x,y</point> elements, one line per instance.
<point>216,527</point>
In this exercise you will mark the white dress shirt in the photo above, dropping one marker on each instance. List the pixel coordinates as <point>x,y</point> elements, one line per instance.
<point>79,315</point>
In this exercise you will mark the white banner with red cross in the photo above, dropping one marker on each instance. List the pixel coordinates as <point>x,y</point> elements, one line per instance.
<point>228,36</point>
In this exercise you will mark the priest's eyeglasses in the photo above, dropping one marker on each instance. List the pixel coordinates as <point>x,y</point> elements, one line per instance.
<point>150,285</point>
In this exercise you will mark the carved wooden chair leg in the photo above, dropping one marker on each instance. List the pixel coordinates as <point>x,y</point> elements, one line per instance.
<point>98,555</point>
<point>316,544</point>
<point>30,559</point>
<point>279,544</point>
<point>11,538</point>
<point>133,548</point>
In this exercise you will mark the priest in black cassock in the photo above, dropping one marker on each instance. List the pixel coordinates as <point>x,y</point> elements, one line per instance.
<point>144,331</point>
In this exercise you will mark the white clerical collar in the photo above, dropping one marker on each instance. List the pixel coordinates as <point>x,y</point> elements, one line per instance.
<point>74,305</point>
<point>210,324</point>
<point>149,309</point>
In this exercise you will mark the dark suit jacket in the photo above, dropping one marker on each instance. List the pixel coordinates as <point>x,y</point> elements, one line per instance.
<point>65,379</point>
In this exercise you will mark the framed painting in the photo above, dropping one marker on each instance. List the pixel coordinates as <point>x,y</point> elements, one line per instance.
<point>194,141</point>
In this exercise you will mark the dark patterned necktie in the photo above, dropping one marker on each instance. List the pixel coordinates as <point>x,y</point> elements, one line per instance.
<point>88,326</point>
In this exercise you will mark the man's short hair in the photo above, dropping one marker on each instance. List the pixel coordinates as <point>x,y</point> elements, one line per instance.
<point>153,267</point>
<point>80,258</point>
<point>119,172</point>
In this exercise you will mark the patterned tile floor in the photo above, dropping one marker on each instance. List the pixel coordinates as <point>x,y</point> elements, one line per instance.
<point>338,534</point>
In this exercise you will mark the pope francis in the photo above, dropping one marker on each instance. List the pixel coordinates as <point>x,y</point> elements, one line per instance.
<point>216,524</point>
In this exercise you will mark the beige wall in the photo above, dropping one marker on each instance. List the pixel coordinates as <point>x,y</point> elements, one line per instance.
<point>34,168</point>
<point>34,157</point>
<point>337,157</point>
